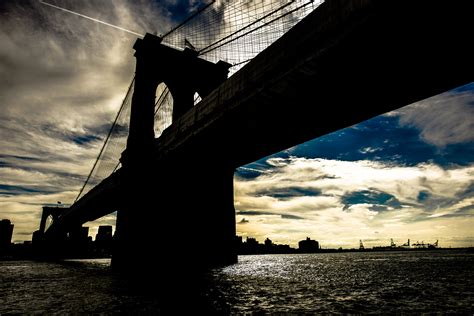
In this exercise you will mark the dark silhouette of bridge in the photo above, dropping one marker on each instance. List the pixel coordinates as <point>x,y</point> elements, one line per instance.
<point>346,62</point>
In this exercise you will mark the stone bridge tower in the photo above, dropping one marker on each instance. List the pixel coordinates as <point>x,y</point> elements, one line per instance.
<point>181,205</point>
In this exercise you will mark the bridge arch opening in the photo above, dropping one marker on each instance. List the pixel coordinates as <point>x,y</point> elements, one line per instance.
<point>48,221</point>
<point>163,109</point>
<point>197,98</point>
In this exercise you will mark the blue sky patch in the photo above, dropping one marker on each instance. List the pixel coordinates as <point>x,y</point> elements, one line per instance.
<point>10,190</point>
<point>423,196</point>
<point>380,139</point>
<point>84,139</point>
<point>370,197</point>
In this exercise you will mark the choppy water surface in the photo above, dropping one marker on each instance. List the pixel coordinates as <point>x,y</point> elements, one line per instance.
<point>394,282</point>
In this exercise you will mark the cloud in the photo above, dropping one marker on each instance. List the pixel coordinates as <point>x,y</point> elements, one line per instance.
<point>355,198</point>
<point>385,139</point>
<point>467,191</point>
<point>62,80</point>
<point>289,192</point>
<point>248,172</point>
<point>439,126</point>
<point>377,198</point>
<point>289,216</point>
<point>9,190</point>
<point>258,213</point>
<point>243,221</point>
<point>369,150</point>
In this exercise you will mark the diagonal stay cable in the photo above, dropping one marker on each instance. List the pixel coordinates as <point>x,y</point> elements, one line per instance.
<point>160,101</point>
<point>202,52</point>
<point>188,19</point>
<point>106,140</point>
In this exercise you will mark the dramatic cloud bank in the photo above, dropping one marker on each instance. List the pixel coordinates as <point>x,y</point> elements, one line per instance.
<point>340,202</point>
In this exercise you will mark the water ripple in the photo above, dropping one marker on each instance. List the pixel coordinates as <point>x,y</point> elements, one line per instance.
<point>391,282</point>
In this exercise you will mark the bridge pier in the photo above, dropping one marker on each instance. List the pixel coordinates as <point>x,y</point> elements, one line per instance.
<point>184,218</point>
<point>178,211</point>
<point>54,245</point>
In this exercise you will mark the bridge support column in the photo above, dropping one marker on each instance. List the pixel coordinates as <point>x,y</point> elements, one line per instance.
<point>180,210</point>
<point>54,245</point>
<point>200,204</point>
<point>184,219</point>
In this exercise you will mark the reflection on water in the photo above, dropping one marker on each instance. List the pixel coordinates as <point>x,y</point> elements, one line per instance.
<point>439,281</point>
<point>351,282</point>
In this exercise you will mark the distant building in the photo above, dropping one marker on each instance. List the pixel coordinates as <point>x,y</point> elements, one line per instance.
<point>308,245</point>
<point>252,247</point>
<point>238,239</point>
<point>103,243</point>
<point>252,241</point>
<point>268,242</point>
<point>104,233</point>
<point>6,233</point>
<point>79,234</point>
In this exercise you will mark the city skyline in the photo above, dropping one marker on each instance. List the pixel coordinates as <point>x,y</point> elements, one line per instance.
<point>406,174</point>
<point>106,232</point>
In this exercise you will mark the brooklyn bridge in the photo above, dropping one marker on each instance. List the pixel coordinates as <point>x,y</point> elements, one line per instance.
<point>216,93</point>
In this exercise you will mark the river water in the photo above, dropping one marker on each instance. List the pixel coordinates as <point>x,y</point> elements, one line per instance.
<point>369,282</point>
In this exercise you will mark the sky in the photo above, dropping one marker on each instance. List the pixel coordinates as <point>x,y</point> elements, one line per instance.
<point>405,174</point>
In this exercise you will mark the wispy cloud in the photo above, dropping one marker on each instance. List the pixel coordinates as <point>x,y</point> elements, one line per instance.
<point>439,126</point>
<point>259,213</point>
<point>62,79</point>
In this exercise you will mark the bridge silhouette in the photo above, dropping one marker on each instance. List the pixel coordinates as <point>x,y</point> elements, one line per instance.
<point>344,62</point>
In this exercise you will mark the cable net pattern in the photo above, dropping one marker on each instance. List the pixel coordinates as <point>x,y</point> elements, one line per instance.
<point>234,31</point>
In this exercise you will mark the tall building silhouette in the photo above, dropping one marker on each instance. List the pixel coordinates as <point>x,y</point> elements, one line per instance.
<point>6,233</point>
<point>308,245</point>
<point>104,240</point>
<point>104,234</point>
<point>79,234</point>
